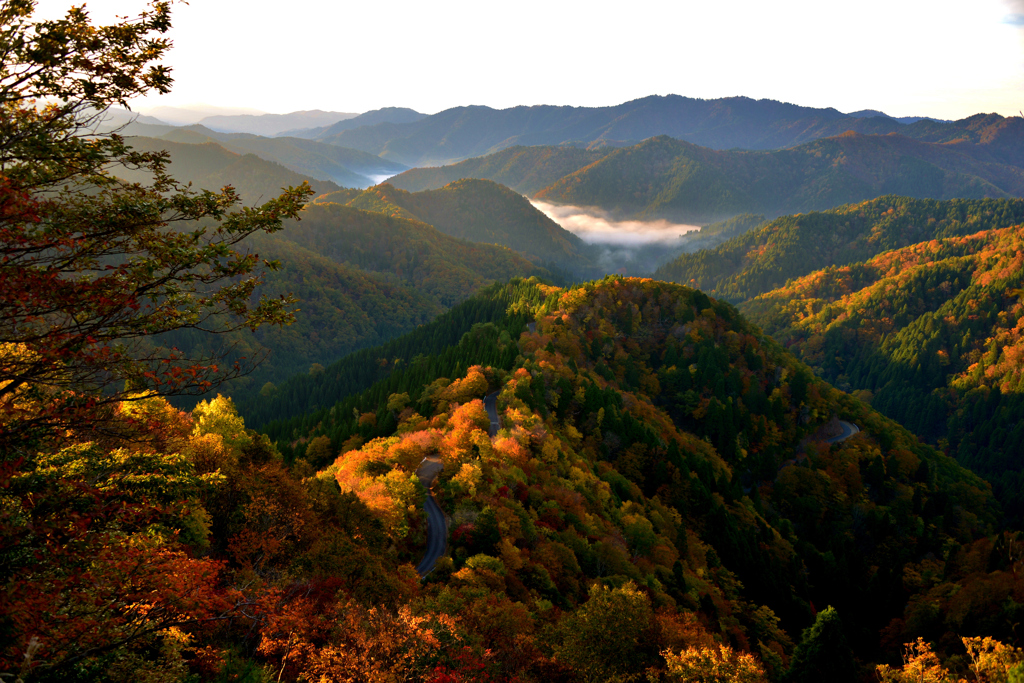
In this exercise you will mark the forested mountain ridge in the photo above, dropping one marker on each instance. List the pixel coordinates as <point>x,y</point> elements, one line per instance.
<point>1002,137</point>
<point>646,449</point>
<point>341,308</point>
<point>461,133</point>
<point>360,279</point>
<point>478,211</point>
<point>793,246</point>
<point>524,169</point>
<point>345,167</point>
<point>446,268</point>
<point>666,178</point>
<point>932,333</point>
<point>738,122</point>
<point>210,165</point>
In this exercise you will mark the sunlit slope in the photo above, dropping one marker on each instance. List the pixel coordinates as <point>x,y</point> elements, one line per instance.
<point>932,333</point>
<point>667,178</point>
<point>648,435</point>
<point>793,246</point>
<point>1001,138</point>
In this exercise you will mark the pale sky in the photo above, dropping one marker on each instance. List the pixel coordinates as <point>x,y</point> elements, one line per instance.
<point>940,58</point>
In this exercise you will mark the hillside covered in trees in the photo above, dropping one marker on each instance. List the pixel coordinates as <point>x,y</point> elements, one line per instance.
<point>666,178</point>
<point>210,165</point>
<point>359,278</point>
<point>340,165</point>
<point>478,211</point>
<point>635,483</point>
<point>664,465</point>
<point>931,334</point>
<point>794,246</point>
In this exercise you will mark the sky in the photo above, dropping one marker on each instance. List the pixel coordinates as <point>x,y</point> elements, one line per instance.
<point>941,58</point>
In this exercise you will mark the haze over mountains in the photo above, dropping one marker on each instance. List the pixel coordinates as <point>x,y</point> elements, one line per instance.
<point>737,122</point>
<point>663,177</point>
<point>787,455</point>
<point>681,159</point>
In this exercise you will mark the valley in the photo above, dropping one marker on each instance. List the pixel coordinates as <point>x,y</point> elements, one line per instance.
<point>678,390</point>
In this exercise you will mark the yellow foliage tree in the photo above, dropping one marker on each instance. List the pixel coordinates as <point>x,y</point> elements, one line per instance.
<point>715,664</point>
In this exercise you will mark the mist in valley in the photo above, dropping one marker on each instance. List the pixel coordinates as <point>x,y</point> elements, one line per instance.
<point>629,247</point>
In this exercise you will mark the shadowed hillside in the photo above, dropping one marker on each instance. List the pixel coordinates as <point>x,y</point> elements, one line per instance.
<point>478,211</point>
<point>666,178</point>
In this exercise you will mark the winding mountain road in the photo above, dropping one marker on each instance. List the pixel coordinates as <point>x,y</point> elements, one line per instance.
<point>437,527</point>
<point>491,404</point>
<point>849,429</point>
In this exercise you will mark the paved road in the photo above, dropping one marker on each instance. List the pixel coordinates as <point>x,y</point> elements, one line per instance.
<point>437,528</point>
<point>849,429</point>
<point>491,404</point>
<point>533,327</point>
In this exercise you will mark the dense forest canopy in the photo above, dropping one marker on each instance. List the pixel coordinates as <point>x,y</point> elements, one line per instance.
<point>793,246</point>
<point>931,334</point>
<point>637,482</point>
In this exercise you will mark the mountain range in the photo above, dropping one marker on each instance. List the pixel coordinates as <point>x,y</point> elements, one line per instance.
<point>274,124</point>
<point>663,177</point>
<point>729,123</point>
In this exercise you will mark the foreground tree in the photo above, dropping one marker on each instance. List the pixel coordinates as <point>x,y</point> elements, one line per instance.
<point>92,268</point>
<point>99,511</point>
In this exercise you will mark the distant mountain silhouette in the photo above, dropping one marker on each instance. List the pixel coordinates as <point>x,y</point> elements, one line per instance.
<point>464,132</point>
<point>369,118</point>
<point>273,124</point>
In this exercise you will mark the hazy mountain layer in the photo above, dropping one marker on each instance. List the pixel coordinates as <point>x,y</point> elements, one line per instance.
<point>346,167</point>
<point>464,132</point>
<point>211,166</point>
<point>524,169</point>
<point>730,123</point>
<point>274,124</point>
<point>369,118</point>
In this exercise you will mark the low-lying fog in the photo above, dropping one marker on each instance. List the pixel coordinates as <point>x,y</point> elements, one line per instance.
<point>627,247</point>
<point>598,228</point>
